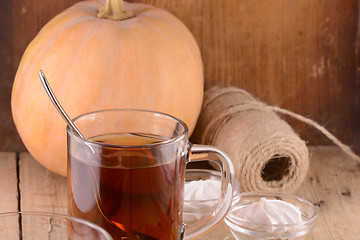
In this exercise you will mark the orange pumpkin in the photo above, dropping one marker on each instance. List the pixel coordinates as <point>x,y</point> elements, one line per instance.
<point>148,61</point>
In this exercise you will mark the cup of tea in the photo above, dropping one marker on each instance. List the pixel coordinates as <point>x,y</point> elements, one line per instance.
<point>127,175</point>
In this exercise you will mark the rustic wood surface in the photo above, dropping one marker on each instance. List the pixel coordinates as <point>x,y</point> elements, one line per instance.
<point>300,55</point>
<point>8,182</point>
<point>332,184</point>
<point>9,192</point>
<point>41,190</point>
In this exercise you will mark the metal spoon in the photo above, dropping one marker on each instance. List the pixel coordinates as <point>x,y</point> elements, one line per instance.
<point>51,95</point>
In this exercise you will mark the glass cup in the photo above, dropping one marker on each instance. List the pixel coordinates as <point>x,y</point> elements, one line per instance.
<point>128,174</point>
<point>40,225</point>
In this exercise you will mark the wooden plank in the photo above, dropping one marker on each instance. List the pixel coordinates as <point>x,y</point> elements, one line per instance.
<point>333,185</point>
<point>8,182</point>
<point>41,190</point>
<point>9,194</point>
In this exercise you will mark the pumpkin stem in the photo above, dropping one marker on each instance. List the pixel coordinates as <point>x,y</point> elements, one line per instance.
<point>114,10</point>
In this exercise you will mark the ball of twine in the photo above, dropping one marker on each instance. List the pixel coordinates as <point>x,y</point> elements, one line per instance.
<point>267,154</point>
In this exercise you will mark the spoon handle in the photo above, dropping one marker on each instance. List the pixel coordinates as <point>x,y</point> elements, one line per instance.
<point>51,95</point>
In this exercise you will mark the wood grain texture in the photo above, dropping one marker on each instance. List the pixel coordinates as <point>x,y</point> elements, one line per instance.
<point>9,194</point>
<point>8,182</point>
<point>332,184</point>
<point>41,190</point>
<point>300,55</point>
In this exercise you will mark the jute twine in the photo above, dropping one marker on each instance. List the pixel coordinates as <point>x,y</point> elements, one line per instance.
<point>267,154</point>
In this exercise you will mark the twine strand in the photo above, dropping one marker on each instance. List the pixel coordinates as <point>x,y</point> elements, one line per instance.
<point>345,148</point>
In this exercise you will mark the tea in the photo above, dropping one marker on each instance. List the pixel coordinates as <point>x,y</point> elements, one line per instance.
<point>134,192</point>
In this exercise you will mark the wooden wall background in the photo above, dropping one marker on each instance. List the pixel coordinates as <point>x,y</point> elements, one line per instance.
<point>301,55</point>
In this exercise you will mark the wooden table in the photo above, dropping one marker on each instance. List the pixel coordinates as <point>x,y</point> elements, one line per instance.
<point>332,184</point>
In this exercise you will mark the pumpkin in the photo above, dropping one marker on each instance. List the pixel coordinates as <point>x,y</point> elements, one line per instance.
<point>142,57</point>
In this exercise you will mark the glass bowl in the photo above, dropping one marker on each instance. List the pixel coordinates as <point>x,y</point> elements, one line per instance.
<point>41,225</point>
<point>196,209</point>
<point>243,229</point>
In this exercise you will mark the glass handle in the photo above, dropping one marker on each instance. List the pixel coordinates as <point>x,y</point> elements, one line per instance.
<point>209,153</point>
